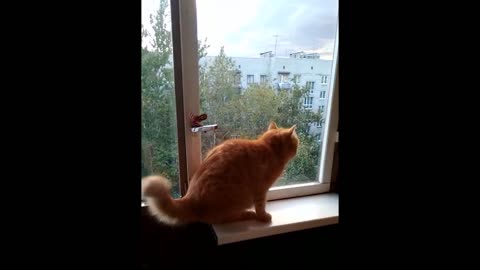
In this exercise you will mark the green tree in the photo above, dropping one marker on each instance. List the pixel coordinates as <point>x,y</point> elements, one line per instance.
<point>159,133</point>
<point>158,115</point>
<point>219,85</point>
<point>250,114</point>
<point>217,88</point>
<point>304,167</point>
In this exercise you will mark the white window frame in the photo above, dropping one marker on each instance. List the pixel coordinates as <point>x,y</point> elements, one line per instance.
<point>185,45</point>
<point>324,79</point>
<point>310,85</point>
<point>324,94</point>
<point>308,102</point>
<point>252,78</point>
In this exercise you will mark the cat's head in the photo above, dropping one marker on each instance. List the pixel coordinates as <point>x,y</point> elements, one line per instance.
<point>283,140</point>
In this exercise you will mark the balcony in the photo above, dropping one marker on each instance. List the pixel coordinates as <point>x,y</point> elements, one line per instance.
<point>284,85</point>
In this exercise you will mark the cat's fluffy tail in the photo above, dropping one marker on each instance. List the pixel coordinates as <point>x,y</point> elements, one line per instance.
<point>156,190</point>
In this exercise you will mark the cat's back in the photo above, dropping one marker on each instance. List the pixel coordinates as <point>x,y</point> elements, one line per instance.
<point>237,150</point>
<point>233,158</point>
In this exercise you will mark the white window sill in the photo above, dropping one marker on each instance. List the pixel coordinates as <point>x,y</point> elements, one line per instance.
<point>288,215</point>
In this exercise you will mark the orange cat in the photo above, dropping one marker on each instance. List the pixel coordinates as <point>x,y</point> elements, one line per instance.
<point>234,177</point>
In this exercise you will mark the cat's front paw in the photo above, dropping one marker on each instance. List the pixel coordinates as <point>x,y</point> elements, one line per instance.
<point>246,215</point>
<point>264,217</point>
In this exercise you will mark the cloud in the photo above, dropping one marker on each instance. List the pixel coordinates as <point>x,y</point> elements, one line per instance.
<point>300,25</point>
<point>247,28</point>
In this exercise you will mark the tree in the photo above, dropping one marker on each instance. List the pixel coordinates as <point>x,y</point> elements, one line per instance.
<point>218,85</point>
<point>158,101</point>
<point>304,167</point>
<point>250,114</point>
<point>159,138</point>
<point>217,88</point>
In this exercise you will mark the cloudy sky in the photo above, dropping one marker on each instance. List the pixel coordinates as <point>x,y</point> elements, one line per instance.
<point>248,27</point>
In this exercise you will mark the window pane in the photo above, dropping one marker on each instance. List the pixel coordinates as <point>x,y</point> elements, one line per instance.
<point>280,41</point>
<point>159,129</point>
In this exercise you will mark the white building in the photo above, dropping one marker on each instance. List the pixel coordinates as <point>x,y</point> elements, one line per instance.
<point>282,72</point>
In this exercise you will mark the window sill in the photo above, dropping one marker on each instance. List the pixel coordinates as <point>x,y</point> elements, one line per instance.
<point>288,215</point>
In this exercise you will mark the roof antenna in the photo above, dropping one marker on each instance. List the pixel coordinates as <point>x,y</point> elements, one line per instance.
<point>275,52</point>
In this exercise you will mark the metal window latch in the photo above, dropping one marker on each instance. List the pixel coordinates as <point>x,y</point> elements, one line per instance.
<point>197,126</point>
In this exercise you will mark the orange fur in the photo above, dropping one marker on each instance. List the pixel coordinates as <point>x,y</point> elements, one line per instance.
<point>234,176</point>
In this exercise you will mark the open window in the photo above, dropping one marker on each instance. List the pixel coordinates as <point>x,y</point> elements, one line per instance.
<point>191,59</point>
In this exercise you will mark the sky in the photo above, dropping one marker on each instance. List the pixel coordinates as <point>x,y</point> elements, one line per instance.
<point>247,28</point>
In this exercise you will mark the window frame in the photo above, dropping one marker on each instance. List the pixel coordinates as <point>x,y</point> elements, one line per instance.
<point>296,78</point>
<point>308,102</point>
<point>252,77</point>
<point>323,94</point>
<point>187,96</point>
<point>310,86</point>
<point>324,79</point>
<point>263,78</point>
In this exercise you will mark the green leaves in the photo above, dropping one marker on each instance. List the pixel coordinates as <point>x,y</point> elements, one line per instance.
<point>159,140</point>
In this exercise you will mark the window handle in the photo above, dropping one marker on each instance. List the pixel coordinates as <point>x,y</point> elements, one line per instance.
<point>196,125</point>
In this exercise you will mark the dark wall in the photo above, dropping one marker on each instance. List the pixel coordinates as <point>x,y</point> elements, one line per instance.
<point>335,183</point>
<point>194,245</point>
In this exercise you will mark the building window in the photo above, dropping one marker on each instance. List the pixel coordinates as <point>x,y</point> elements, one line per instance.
<point>250,79</point>
<point>308,102</point>
<point>323,80</point>
<point>283,78</point>
<point>296,78</point>
<point>323,94</point>
<point>310,86</point>
<point>238,78</point>
<point>263,78</point>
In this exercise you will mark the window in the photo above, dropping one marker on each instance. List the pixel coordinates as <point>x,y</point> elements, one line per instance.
<point>310,86</point>
<point>308,102</point>
<point>283,77</point>
<point>323,79</point>
<point>322,94</point>
<point>238,77</point>
<point>319,124</point>
<point>263,78</point>
<point>206,57</point>
<point>296,78</point>
<point>250,79</point>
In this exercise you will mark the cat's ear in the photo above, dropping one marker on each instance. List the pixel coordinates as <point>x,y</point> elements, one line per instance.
<point>272,125</point>
<point>292,129</point>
